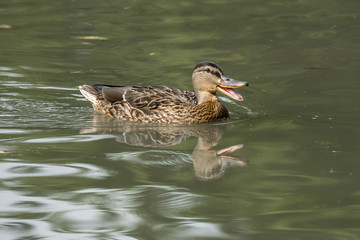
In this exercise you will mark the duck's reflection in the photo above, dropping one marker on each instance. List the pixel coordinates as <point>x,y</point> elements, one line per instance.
<point>209,162</point>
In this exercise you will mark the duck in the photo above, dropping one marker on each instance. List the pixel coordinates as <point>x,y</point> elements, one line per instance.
<point>168,105</point>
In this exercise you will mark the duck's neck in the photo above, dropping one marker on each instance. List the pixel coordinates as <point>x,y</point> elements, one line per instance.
<point>205,96</point>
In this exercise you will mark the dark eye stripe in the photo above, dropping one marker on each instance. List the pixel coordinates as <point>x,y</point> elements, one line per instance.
<point>216,74</point>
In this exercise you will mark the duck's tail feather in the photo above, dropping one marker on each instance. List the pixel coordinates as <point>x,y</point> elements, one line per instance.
<point>90,93</point>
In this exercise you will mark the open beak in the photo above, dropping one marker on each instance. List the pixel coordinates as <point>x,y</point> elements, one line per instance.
<point>226,87</point>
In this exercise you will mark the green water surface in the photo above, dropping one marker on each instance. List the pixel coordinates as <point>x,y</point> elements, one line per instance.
<point>69,173</point>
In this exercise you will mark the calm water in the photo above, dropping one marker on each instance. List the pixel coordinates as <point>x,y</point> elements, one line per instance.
<point>67,173</point>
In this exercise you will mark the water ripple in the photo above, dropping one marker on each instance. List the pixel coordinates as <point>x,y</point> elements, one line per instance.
<point>11,170</point>
<point>118,213</point>
<point>193,230</point>
<point>23,85</point>
<point>15,131</point>
<point>10,74</point>
<point>152,157</point>
<point>68,139</point>
<point>59,219</point>
<point>94,220</point>
<point>171,204</point>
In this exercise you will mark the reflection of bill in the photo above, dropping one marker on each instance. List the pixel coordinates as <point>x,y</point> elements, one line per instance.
<point>209,163</point>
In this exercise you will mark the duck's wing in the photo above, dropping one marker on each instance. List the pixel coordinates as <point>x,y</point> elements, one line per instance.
<point>114,94</point>
<point>149,97</point>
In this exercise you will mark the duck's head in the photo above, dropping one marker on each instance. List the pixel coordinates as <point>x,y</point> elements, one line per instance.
<point>208,77</point>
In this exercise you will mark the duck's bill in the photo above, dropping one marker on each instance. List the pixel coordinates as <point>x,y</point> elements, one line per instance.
<point>227,87</point>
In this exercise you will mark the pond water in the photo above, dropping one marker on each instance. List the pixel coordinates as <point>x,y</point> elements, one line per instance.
<point>69,173</point>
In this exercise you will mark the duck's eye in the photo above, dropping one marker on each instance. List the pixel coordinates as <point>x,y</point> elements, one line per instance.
<point>207,70</point>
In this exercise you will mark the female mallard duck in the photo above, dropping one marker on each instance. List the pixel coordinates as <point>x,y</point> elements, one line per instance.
<point>162,104</point>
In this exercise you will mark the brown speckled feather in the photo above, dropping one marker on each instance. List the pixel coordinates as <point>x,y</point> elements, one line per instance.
<point>153,104</point>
